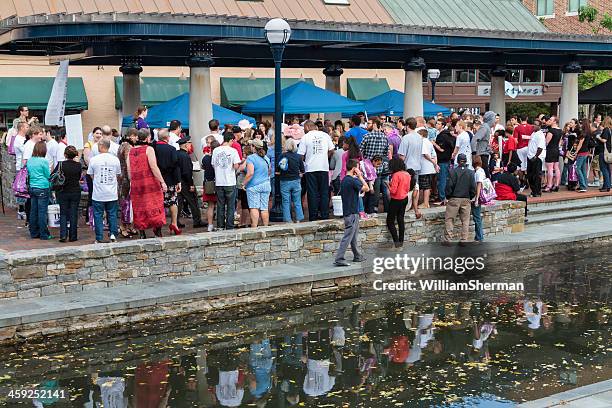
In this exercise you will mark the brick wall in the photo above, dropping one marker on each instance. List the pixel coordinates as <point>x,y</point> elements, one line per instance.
<point>563,23</point>
<point>27,274</point>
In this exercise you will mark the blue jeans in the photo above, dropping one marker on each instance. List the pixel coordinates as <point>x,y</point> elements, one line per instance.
<point>111,208</point>
<point>442,177</point>
<point>605,171</point>
<point>291,192</point>
<point>39,201</point>
<point>581,169</point>
<point>226,205</point>
<point>381,188</point>
<point>476,215</point>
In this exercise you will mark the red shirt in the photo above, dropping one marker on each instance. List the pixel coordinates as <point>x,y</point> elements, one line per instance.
<point>238,148</point>
<point>504,192</point>
<point>520,131</point>
<point>400,185</point>
<point>509,145</point>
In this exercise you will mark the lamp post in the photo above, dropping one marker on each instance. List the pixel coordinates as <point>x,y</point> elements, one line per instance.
<point>278,33</point>
<point>433,75</point>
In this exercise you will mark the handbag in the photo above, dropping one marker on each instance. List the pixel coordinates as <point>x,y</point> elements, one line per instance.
<point>607,154</point>
<point>21,184</point>
<point>487,192</point>
<point>11,145</point>
<point>58,179</point>
<point>209,187</point>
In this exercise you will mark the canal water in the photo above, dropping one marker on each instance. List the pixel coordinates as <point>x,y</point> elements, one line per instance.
<point>455,349</point>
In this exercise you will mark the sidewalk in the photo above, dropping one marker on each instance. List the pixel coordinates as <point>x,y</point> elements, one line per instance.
<point>598,395</point>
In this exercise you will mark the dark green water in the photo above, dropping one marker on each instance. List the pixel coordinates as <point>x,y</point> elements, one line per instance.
<point>377,350</point>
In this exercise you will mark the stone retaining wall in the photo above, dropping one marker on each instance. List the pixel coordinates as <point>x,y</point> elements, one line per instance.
<point>8,175</point>
<point>27,274</point>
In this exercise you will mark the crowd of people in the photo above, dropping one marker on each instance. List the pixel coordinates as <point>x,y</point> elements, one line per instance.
<point>376,165</point>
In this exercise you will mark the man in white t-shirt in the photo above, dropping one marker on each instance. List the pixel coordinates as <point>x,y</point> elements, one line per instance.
<point>316,148</point>
<point>107,134</point>
<point>175,130</point>
<point>429,167</point>
<point>61,147</point>
<point>213,125</point>
<point>535,154</point>
<point>36,135</point>
<point>411,147</point>
<point>104,169</point>
<point>225,161</point>
<point>18,144</point>
<point>52,147</point>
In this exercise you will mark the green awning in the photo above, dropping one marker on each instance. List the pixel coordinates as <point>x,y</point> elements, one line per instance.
<point>362,89</point>
<point>34,92</point>
<point>236,92</point>
<point>153,90</point>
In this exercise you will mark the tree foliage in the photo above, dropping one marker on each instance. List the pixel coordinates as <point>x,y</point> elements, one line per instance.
<point>589,79</point>
<point>589,14</point>
<point>530,109</point>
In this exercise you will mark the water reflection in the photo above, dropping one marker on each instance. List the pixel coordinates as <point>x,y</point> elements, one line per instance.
<point>465,350</point>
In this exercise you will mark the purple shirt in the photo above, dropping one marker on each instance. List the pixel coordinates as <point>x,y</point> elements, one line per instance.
<point>141,124</point>
<point>394,140</point>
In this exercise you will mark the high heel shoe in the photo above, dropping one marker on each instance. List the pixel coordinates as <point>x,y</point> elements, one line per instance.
<point>173,228</point>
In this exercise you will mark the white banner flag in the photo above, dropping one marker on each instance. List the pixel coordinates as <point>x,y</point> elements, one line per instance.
<point>57,101</point>
<point>511,91</point>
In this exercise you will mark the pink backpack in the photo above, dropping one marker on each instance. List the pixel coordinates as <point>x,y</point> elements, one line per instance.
<point>369,171</point>
<point>20,184</point>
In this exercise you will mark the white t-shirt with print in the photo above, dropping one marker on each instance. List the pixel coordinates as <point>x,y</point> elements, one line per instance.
<point>537,141</point>
<point>28,150</point>
<point>315,146</point>
<point>428,167</point>
<point>223,160</point>
<point>104,169</point>
<point>218,137</point>
<point>463,145</point>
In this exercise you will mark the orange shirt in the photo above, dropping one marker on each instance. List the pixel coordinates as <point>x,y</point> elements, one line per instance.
<point>400,185</point>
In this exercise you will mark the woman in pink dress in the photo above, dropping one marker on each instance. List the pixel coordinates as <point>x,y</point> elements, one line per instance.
<point>147,186</point>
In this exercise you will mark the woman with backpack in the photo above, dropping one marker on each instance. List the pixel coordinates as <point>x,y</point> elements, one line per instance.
<point>209,196</point>
<point>291,168</point>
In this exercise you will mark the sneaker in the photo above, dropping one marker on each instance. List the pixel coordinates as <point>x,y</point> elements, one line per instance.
<point>211,228</point>
<point>594,184</point>
<point>360,259</point>
<point>97,242</point>
<point>341,263</point>
<point>582,190</point>
<point>113,238</point>
<point>363,215</point>
<point>21,215</point>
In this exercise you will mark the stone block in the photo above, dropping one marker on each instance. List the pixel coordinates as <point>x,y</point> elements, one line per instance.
<point>52,290</point>
<point>29,293</point>
<point>28,272</point>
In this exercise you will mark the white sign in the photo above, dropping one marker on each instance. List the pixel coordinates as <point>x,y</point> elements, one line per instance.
<point>57,101</point>
<point>527,90</point>
<point>74,130</point>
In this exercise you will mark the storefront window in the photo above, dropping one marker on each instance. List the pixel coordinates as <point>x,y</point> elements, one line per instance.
<point>446,75</point>
<point>514,75</point>
<point>532,75</point>
<point>465,75</point>
<point>552,76</point>
<point>484,76</point>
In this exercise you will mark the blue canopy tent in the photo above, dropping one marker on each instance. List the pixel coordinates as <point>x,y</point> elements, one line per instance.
<point>178,108</point>
<point>303,97</point>
<point>391,103</point>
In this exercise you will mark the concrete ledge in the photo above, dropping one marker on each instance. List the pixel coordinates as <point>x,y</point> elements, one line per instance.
<point>592,395</point>
<point>87,268</point>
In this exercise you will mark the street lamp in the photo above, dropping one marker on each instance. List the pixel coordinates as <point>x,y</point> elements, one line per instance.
<point>433,75</point>
<point>278,33</point>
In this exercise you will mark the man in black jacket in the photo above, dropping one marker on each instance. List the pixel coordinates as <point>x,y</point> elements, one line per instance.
<point>444,144</point>
<point>460,189</point>
<point>188,192</point>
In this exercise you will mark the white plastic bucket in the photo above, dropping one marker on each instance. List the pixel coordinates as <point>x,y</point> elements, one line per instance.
<point>53,215</point>
<point>337,203</point>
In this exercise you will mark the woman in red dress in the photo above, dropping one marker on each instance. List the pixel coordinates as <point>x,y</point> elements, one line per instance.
<point>147,186</point>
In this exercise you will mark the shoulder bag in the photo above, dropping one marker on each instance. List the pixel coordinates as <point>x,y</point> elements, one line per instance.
<point>58,179</point>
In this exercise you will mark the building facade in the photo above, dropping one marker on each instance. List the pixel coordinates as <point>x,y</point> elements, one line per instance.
<point>561,16</point>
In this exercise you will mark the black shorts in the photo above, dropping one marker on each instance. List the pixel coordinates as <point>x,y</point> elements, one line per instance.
<point>425,181</point>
